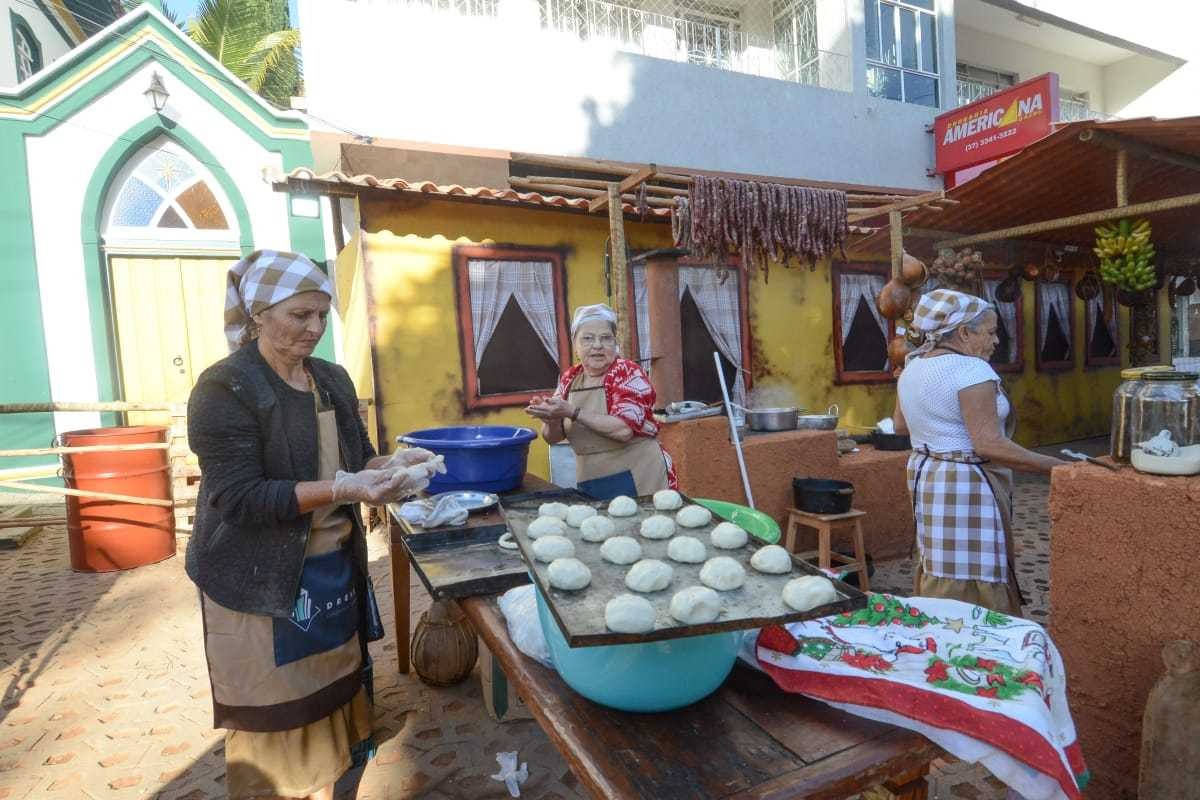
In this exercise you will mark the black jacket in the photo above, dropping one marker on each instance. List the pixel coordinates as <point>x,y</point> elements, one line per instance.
<point>255,443</point>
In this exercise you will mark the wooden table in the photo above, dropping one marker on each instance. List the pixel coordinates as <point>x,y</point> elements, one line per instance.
<point>748,740</point>
<point>402,568</point>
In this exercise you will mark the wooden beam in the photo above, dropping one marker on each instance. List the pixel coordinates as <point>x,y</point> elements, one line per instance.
<point>119,498</point>
<point>619,270</point>
<point>579,191</point>
<point>1076,220</point>
<point>899,205</point>
<point>1122,177</point>
<point>896,228</point>
<point>627,185</point>
<point>591,183</point>
<point>1115,141</point>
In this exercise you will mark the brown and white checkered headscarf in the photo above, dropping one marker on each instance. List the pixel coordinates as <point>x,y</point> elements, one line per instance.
<point>263,279</point>
<point>942,311</point>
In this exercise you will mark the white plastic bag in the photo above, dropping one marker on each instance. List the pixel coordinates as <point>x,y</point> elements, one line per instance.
<point>519,607</point>
<point>509,775</point>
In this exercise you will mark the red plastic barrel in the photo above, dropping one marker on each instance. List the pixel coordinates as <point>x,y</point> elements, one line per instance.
<point>107,535</point>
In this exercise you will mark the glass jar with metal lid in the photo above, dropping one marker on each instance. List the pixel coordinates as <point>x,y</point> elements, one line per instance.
<point>1121,438</point>
<point>1166,424</point>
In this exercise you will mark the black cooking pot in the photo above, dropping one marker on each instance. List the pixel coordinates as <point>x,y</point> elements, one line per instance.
<point>822,496</point>
<point>890,441</point>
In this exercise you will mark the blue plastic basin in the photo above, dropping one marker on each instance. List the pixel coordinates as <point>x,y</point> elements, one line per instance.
<point>655,676</point>
<point>485,458</point>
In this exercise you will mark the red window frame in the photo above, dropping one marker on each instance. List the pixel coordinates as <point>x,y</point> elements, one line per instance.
<point>461,257</point>
<point>734,265</point>
<point>1102,361</point>
<point>1053,366</point>
<point>1017,366</point>
<point>841,376</point>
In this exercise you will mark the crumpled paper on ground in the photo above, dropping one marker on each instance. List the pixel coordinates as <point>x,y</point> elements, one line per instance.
<point>434,513</point>
<point>509,775</point>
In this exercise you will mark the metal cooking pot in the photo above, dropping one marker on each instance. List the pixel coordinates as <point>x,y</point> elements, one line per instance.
<point>771,419</point>
<point>819,422</point>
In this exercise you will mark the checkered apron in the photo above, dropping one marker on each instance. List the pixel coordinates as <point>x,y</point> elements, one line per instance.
<point>960,528</point>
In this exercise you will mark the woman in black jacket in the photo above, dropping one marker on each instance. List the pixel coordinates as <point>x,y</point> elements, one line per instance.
<point>278,549</point>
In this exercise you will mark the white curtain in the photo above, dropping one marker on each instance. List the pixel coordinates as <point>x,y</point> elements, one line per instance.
<point>1008,315</point>
<point>493,283</point>
<point>641,306</point>
<point>854,287</point>
<point>1055,296</point>
<point>1095,314</point>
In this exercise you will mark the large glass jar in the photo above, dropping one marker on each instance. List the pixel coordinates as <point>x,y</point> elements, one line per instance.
<point>1166,409</point>
<point>1121,438</point>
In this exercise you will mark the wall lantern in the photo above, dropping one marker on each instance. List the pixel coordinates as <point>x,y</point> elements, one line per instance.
<point>157,94</point>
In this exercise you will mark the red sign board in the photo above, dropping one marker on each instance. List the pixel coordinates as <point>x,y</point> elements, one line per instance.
<point>997,125</point>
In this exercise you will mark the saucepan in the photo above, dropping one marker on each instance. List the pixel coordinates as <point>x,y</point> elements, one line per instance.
<point>771,419</point>
<point>819,422</point>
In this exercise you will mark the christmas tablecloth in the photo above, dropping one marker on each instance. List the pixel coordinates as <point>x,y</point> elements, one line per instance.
<point>984,686</point>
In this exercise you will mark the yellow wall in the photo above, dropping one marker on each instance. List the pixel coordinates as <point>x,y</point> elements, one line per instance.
<point>406,258</point>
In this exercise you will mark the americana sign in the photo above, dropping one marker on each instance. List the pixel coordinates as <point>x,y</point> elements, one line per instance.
<point>996,125</point>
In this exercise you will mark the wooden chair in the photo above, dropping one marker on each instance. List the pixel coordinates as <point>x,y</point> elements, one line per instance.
<point>826,526</point>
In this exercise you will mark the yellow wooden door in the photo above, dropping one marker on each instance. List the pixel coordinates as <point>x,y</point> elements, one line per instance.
<point>168,318</point>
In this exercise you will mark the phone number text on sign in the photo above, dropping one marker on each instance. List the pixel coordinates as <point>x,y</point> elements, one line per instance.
<point>995,137</point>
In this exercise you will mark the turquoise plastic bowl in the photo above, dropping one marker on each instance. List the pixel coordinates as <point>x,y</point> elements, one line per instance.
<point>655,676</point>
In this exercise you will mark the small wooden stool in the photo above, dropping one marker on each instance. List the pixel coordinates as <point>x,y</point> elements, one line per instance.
<point>826,525</point>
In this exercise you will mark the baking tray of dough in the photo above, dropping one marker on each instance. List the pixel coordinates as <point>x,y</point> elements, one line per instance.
<point>580,614</point>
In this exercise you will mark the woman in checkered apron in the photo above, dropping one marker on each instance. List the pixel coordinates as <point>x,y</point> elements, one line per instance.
<point>950,401</point>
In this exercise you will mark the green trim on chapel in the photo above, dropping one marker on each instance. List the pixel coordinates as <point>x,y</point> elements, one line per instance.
<point>17,23</point>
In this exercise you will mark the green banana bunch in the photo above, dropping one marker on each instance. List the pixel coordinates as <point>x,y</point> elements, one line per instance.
<point>1126,254</point>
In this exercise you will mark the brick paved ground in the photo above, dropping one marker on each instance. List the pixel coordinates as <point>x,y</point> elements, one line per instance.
<point>105,693</point>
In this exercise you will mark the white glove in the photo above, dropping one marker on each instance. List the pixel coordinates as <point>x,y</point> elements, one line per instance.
<point>408,457</point>
<point>380,486</point>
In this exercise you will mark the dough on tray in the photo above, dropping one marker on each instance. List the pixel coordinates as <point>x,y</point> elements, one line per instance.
<point>546,526</point>
<point>577,514</point>
<point>686,550</point>
<point>693,516</point>
<point>621,550</point>
<point>728,536</point>
<point>772,559</point>
<point>658,527</point>
<point>723,574</point>
<point>623,506</point>
<point>549,548</point>
<point>557,510</point>
<point>597,528</point>
<point>667,500</point>
<point>809,592</point>
<point>628,613</point>
<point>649,575</point>
<point>568,574</point>
<point>695,605</point>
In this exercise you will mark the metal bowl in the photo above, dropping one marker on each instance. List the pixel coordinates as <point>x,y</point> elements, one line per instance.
<point>771,419</point>
<point>819,422</point>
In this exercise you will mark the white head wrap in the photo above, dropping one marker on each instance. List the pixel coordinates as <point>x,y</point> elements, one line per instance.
<point>262,279</point>
<point>942,311</point>
<point>596,313</point>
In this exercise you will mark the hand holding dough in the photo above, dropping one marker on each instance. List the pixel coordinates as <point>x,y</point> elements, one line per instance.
<point>693,516</point>
<point>556,510</point>
<point>695,605</point>
<point>549,548</point>
<point>686,550</point>
<point>728,536</point>
<point>568,574</point>
<point>621,550</point>
<point>723,574</point>
<point>628,613</point>
<point>622,507</point>
<point>577,514</point>
<point>772,559</point>
<point>658,527</point>
<point>649,575</point>
<point>546,526</point>
<point>667,500</point>
<point>597,529</point>
<point>809,592</point>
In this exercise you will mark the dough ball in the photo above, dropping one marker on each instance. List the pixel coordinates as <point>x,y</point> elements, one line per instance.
<point>623,506</point>
<point>772,559</point>
<point>723,574</point>
<point>569,574</point>
<point>546,526</point>
<point>694,517</point>
<point>628,613</point>
<point>686,550</point>
<point>549,548</point>
<point>621,550</point>
<point>577,514</point>
<point>649,575</point>
<point>809,592</point>
<point>695,605</point>
<point>556,510</point>
<point>667,500</point>
<point>597,528</point>
<point>728,536</point>
<point>658,527</point>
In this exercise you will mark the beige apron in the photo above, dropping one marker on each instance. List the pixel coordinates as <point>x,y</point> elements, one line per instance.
<point>600,461</point>
<point>265,754</point>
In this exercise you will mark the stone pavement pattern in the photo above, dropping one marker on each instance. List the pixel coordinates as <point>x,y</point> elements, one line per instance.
<point>105,693</point>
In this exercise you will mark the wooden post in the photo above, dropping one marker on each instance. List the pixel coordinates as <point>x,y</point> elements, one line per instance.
<point>895,221</point>
<point>666,329</point>
<point>619,269</point>
<point>1122,177</point>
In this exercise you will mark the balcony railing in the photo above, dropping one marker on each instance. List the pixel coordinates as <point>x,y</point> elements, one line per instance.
<point>968,91</point>
<point>709,43</point>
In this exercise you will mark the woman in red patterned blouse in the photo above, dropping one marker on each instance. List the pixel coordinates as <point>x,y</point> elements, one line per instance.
<point>604,408</point>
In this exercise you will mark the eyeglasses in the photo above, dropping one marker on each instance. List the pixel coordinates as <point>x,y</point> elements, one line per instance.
<point>605,340</point>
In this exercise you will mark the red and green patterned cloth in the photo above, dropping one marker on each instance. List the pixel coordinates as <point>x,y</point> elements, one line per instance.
<point>984,686</point>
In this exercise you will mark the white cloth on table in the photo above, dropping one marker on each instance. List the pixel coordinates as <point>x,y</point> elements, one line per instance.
<point>928,393</point>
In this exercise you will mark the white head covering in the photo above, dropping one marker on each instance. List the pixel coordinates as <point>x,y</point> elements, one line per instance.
<point>596,313</point>
<point>263,279</point>
<point>942,311</point>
